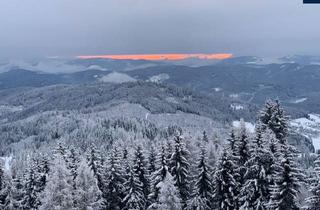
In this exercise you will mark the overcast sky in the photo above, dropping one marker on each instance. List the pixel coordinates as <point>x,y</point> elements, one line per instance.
<point>85,27</point>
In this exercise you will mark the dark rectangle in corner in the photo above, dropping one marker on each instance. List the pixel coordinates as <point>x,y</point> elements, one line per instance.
<point>311,1</point>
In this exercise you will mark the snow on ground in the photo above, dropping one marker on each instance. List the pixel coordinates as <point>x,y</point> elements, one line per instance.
<point>96,67</point>
<point>159,78</point>
<point>6,162</point>
<point>236,107</point>
<point>311,122</point>
<point>116,77</point>
<point>249,126</point>
<point>297,101</point>
<point>316,142</point>
<point>172,100</point>
<point>6,108</point>
<point>217,89</point>
<point>234,95</point>
<point>308,126</point>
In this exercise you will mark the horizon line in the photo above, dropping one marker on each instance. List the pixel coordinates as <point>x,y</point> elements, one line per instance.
<point>160,56</point>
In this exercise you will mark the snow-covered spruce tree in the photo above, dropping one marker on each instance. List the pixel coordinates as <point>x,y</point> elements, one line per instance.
<point>17,192</point>
<point>139,168</point>
<point>225,196</point>
<point>114,178</point>
<point>42,171</point>
<point>169,198</point>
<point>241,155</point>
<point>125,163</point>
<point>232,141</point>
<point>202,192</point>
<point>272,116</point>
<point>313,201</point>
<point>205,138</point>
<point>87,195</point>
<point>5,190</point>
<point>61,150</point>
<point>95,164</point>
<point>34,182</point>
<point>134,198</point>
<point>287,179</point>
<point>254,194</point>
<point>179,162</point>
<point>272,141</point>
<point>272,146</point>
<point>73,164</point>
<point>31,199</point>
<point>58,191</point>
<point>157,177</point>
<point>169,150</point>
<point>152,161</point>
<point>242,146</point>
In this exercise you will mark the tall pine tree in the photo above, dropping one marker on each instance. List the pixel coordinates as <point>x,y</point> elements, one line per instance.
<point>95,164</point>
<point>30,190</point>
<point>134,198</point>
<point>225,195</point>
<point>114,189</point>
<point>59,190</point>
<point>313,201</point>
<point>285,190</point>
<point>254,194</point>
<point>139,168</point>
<point>169,198</point>
<point>272,116</point>
<point>158,176</point>
<point>5,190</point>
<point>87,193</point>
<point>202,192</point>
<point>180,168</point>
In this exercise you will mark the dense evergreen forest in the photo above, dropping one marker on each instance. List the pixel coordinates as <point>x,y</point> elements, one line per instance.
<point>253,171</point>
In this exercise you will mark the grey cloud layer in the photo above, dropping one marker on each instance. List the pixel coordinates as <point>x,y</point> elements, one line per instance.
<point>69,27</point>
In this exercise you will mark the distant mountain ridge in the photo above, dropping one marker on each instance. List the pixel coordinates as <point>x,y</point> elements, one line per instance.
<point>240,79</point>
<point>180,106</point>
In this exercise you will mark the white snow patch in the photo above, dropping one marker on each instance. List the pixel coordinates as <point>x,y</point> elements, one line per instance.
<point>315,117</point>
<point>249,126</point>
<point>217,89</point>
<point>96,67</point>
<point>5,108</point>
<point>159,78</point>
<point>309,127</point>
<point>172,100</point>
<point>116,77</point>
<point>234,95</point>
<point>316,142</point>
<point>300,100</point>
<point>283,66</point>
<point>236,107</point>
<point>6,161</point>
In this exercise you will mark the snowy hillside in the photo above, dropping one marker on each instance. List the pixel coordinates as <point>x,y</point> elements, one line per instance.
<point>310,127</point>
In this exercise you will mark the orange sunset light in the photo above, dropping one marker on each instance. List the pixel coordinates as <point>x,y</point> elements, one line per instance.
<point>154,57</point>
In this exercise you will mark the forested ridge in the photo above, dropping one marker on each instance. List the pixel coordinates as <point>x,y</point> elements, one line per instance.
<point>250,171</point>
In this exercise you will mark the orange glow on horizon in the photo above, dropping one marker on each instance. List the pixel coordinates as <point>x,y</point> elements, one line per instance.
<point>154,57</point>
